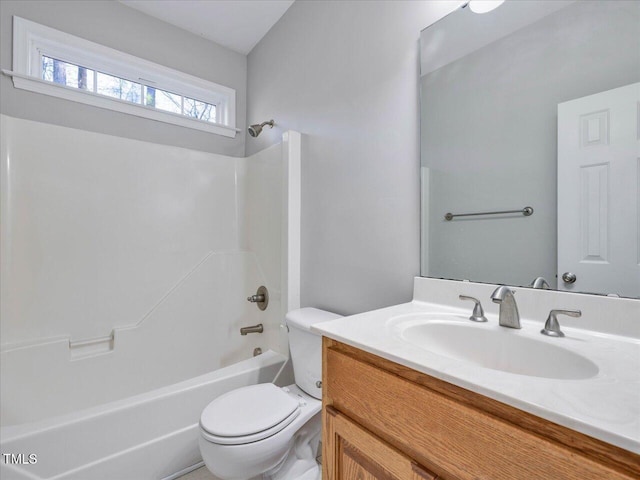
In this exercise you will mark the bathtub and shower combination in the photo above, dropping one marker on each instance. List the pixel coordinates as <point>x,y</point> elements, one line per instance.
<point>126,268</point>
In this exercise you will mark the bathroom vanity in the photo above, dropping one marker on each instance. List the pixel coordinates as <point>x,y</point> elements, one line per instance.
<point>395,407</point>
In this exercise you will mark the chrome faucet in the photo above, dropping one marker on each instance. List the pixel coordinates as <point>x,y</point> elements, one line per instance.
<point>508,316</point>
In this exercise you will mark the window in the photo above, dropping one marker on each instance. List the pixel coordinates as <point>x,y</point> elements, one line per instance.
<point>55,63</point>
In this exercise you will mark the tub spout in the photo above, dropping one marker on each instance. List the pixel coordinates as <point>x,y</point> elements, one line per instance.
<point>253,329</point>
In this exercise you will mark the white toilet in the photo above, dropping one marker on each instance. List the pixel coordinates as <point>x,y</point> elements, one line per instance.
<point>264,431</point>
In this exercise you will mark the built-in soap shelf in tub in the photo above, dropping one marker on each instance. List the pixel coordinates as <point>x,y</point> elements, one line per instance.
<point>91,347</point>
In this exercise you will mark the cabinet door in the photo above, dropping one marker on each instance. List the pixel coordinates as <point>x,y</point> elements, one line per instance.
<point>350,452</point>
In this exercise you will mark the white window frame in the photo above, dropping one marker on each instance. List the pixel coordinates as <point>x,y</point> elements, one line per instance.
<point>32,41</point>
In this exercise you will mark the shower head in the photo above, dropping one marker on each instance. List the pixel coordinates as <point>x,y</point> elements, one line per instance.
<point>254,130</point>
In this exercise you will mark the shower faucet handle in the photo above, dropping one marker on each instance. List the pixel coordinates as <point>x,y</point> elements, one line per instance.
<point>261,298</point>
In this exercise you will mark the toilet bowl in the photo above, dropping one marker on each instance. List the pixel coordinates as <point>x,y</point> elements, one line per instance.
<point>265,431</point>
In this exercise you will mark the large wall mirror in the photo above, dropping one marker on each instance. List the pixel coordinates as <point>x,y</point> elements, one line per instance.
<point>534,109</point>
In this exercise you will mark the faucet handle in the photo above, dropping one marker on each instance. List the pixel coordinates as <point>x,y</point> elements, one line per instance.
<point>552,326</point>
<point>478,312</point>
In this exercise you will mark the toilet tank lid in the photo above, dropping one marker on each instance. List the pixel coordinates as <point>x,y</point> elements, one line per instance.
<point>303,318</point>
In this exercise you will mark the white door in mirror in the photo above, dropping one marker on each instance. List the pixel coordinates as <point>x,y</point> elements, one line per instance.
<point>598,201</point>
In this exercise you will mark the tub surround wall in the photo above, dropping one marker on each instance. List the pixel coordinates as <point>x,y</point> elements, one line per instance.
<point>193,331</point>
<point>268,199</point>
<point>117,26</point>
<point>98,229</point>
<point>126,265</point>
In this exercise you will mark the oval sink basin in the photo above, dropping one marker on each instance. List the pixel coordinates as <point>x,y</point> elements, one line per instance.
<point>498,348</point>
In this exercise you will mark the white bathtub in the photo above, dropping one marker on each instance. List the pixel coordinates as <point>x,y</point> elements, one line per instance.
<point>149,436</point>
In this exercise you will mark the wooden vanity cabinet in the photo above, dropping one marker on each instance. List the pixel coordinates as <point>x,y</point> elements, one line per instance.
<point>382,421</point>
<point>359,454</point>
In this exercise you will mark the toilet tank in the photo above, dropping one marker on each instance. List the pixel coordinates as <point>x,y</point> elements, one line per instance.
<point>306,348</point>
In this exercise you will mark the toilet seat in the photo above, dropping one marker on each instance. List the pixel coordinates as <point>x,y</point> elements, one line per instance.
<point>249,414</point>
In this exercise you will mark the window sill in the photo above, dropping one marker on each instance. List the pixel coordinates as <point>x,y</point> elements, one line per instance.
<point>32,84</point>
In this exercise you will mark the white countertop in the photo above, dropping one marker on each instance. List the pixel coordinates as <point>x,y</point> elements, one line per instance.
<point>605,406</point>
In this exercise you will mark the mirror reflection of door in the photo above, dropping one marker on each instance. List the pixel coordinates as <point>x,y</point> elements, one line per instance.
<point>598,193</point>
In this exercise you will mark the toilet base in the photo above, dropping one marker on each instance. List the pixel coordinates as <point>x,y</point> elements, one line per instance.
<point>301,463</point>
<point>315,473</point>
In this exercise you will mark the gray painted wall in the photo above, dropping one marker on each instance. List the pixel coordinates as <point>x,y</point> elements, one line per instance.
<point>489,137</point>
<point>112,24</point>
<point>345,74</point>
